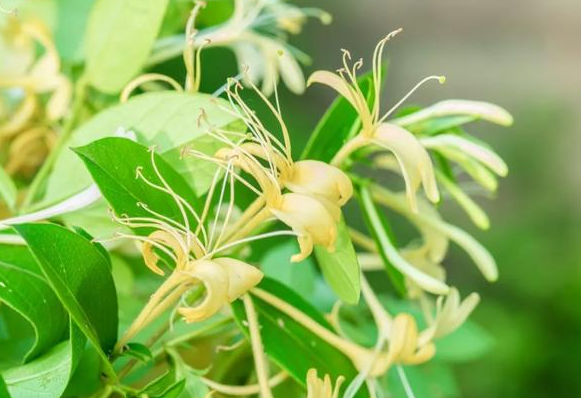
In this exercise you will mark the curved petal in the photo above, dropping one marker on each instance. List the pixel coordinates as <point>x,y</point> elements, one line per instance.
<point>335,82</point>
<point>456,143</point>
<point>482,110</point>
<point>215,280</point>
<point>414,161</point>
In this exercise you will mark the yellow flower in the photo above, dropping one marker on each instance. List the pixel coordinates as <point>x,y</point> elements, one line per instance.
<point>322,388</point>
<point>413,159</point>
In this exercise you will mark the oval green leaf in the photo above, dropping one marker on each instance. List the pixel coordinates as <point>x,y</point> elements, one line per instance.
<point>81,277</point>
<point>25,290</point>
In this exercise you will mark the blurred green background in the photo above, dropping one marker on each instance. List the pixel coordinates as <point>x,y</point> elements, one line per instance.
<point>524,55</point>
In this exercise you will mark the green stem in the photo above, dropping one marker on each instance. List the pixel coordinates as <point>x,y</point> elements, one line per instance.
<point>68,127</point>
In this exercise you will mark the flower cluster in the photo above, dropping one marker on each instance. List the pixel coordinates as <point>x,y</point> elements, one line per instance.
<point>34,94</point>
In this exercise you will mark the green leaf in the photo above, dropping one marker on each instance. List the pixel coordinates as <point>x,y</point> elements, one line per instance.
<point>300,277</point>
<point>292,346</point>
<point>120,35</point>
<point>3,389</point>
<point>24,289</point>
<point>113,162</point>
<point>380,229</point>
<point>47,376</point>
<point>8,190</point>
<point>167,120</point>
<point>467,343</point>
<point>69,32</point>
<point>158,386</point>
<point>429,380</point>
<point>338,124</point>
<point>341,268</point>
<point>138,351</point>
<point>81,277</point>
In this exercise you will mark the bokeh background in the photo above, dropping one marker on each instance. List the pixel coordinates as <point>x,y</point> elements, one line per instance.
<point>526,56</point>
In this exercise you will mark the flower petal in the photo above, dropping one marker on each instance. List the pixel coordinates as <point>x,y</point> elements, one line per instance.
<point>241,276</point>
<point>415,162</point>
<point>335,82</point>
<point>483,110</point>
<point>456,143</point>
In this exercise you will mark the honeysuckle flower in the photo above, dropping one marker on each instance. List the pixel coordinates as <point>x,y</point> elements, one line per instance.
<point>34,91</point>
<point>414,161</point>
<point>192,254</point>
<point>317,190</point>
<point>266,56</point>
<point>322,388</point>
<point>451,313</point>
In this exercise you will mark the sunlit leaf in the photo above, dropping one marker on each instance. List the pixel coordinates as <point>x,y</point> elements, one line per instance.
<point>120,35</point>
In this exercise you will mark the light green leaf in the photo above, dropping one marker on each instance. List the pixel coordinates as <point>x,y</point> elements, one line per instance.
<point>467,343</point>
<point>69,34</point>
<point>299,276</point>
<point>292,346</point>
<point>120,35</point>
<point>341,268</point>
<point>113,163</point>
<point>47,376</point>
<point>80,276</point>
<point>167,120</point>
<point>8,190</point>
<point>429,380</point>
<point>24,289</point>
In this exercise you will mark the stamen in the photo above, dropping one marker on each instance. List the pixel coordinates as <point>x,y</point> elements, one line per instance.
<point>220,200</point>
<point>440,79</point>
<point>250,239</point>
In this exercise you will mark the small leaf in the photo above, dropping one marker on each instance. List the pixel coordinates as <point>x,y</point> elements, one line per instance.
<point>113,163</point>
<point>159,385</point>
<point>120,35</point>
<point>24,289</point>
<point>341,268</point>
<point>8,190</point>
<point>292,346</point>
<point>47,376</point>
<point>87,292</point>
<point>138,351</point>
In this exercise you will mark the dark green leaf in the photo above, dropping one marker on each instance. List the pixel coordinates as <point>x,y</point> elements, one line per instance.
<point>341,267</point>
<point>48,375</point>
<point>113,162</point>
<point>120,35</point>
<point>3,390</point>
<point>25,290</point>
<point>337,125</point>
<point>81,278</point>
<point>380,229</point>
<point>292,346</point>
